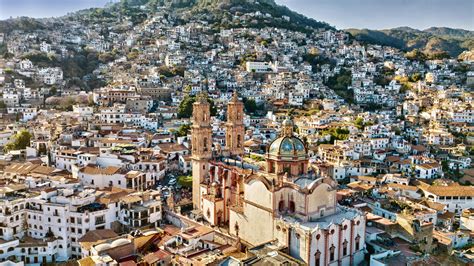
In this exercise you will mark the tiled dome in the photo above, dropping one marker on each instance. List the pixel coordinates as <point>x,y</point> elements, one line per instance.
<point>287,146</point>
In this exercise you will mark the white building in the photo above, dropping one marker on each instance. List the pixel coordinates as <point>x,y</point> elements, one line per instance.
<point>456,198</point>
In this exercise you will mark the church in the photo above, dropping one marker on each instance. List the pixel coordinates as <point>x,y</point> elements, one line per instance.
<point>285,203</point>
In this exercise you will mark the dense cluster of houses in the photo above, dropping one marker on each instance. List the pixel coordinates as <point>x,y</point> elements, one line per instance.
<point>395,157</point>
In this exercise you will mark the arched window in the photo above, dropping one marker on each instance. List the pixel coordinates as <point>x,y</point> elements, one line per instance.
<point>344,248</point>
<point>239,144</point>
<point>205,144</point>
<point>332,251</point>
<point>291,207</point>
<point>357,243</point>
<point>317,258</point>
<point>281,205</point>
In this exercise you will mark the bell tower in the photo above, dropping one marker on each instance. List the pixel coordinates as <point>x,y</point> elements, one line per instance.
<point>201,134</point>
<point>235,130</point>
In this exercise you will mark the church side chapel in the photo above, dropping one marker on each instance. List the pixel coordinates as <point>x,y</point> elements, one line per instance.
<point>286,202</point>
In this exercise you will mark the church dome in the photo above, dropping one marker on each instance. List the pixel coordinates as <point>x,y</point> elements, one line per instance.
<point>287,146</point>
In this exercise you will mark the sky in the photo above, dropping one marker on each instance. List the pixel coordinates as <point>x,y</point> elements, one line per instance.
<point>384,14</point>
<point>372,14</point>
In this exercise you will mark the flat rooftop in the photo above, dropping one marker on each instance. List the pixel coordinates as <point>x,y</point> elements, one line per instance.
<point>338,217</point>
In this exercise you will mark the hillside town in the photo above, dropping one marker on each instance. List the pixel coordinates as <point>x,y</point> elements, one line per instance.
<point>171,140</point>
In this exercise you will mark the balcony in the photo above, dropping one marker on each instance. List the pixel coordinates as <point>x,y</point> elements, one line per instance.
<point>99,220</point>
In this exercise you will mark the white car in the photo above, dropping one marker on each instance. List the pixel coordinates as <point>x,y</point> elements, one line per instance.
<point>172,182</point>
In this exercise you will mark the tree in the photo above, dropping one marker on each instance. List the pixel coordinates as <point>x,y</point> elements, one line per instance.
<point>359,123</point>
<point>20,141</point>
<point>250,105</point>
<point>185,109</point>
<point>183,130</point>
<point>53,90</point>
<point>339,83</point>
<point>416,54</point>
<point>415,77</point>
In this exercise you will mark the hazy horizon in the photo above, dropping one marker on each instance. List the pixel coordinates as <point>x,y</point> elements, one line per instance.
<point>371,14</point>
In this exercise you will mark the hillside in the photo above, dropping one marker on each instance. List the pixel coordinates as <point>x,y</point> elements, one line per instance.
<point>220,13</point>
<point>431,41</point>
<point>295,20</point>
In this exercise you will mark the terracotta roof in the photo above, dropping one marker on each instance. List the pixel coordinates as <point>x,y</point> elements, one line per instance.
<point>469,172</point>
<point>446,215</point>
<point>429,165</point>
<point>196,231</point>
<point>420,148</point>
<point>402,187</point>
<point>156,256</point>
<point>45,170</point>
<point>366,178</point>
<point>434,205</point>
<point>131,199</point>
<point>171,147</point>
<point>93,236</point>
<point>358,186</point>
<point>96,235</point>
<point>92,170</point>
<point>393,158</point>
<point>452,190</point>
<point>21,168</point>
<point>114,195</point>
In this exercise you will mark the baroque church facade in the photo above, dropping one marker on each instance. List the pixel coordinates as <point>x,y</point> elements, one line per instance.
<point>286,203</point>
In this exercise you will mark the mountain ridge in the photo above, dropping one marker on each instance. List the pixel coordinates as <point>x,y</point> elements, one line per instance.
<point>431,41</point>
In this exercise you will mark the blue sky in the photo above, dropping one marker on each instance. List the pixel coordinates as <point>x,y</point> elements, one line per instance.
<point>373,14</point>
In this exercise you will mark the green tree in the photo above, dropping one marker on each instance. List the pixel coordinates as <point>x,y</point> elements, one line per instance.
<point>185,109</point>
<point>53,90</point>
<point>339,83</point>
<point>415,77</point>
<point>359,123</point>
<point>20,141</point>
<point>183,130</point>
<point>416,54</point>
<point>250,105</point>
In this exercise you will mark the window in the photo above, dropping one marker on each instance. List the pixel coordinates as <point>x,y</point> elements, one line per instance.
<point>357,243</point>
<point>281,206</point>
<point>317,258</point>
<point>344,248</point>
<point>292,206</point>
<point>205,144</point>
<point>331,253</point>
<point>238,141</point>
